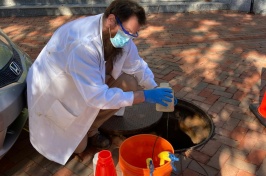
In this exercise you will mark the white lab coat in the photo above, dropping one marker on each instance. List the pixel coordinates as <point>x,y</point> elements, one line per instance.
<point>66,86</point>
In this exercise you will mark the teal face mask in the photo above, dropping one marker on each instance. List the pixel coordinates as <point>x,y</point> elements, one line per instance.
<point>120,39</point>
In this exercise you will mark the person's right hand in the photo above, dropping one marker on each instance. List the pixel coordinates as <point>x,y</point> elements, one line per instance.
<point>158,95</point>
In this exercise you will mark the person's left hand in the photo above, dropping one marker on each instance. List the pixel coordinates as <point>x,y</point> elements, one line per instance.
<point>158,95</point>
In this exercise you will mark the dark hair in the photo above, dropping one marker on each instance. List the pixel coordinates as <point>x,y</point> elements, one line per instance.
<point>124,9</point>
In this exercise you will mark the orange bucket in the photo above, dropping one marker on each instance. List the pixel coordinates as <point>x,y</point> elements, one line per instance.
<point>134,151</point>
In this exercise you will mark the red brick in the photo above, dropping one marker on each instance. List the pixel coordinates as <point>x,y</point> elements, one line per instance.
<point>264,131</point>
<point>263,75</point>
<point>178,72</point>
<point>242,116</point>
<point>211,99</point>
<point>238,133</point>
<point>86,156</point>
<point>226,140</point>
<point>256,156</point>
<point>228,170</point>
<point>256,135</point>
<point>206,92</point>
<point>157,75</point>
<point>199,156</point>
<point>217,107</point>
<point>263,91</point>
<point>252,79</point>
<point>177,87</point>
<point>20,167</point>
<point>6,19</point>
<point>211,147</point>
<point>233,109</point>
<point>222,131</point>
<point>190,172</point>
<point>20,154</point>
<point>202,168</point>
<point>5,165</point>
<point>262,168</point>
<point>211,81</point>
<point>64,171</point>
<point>247,143</point>
<point>36,169</point>
<point>237,84</point>
<point>241,165</point>
<point>118,140</point>
<point>219,159</point>
<point>246,74</point>
<point>192,96</point>
<point>231,123</point>
<point>169,76</point>
<point>239,95</point>
<point>231,89</point>
<point>240,154</point>
<point>244,173</point>
<point>190,52</point>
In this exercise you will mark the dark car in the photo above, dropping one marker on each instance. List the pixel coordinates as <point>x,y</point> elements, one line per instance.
<point>14,65</point>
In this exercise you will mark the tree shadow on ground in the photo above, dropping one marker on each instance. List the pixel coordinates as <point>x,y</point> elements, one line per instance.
<point>215,60</point>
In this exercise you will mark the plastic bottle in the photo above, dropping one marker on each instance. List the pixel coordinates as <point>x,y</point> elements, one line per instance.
<point>170,107</point>
<point>94,161</point>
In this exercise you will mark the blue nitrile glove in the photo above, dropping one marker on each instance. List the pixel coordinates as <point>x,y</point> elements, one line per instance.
<point>158,95</point>
<point>175,101</point>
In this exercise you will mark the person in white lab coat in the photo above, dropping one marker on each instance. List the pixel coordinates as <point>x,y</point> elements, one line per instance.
<point>89,69</point>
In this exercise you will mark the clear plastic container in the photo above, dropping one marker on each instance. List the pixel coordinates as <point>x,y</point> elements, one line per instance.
<point>171,106</point>
<point>94,161</point>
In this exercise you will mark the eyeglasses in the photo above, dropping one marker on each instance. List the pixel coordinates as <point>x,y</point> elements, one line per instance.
<point>125,31</point>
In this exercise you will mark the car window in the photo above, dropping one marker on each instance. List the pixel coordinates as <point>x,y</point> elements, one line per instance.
<point>5,52</point>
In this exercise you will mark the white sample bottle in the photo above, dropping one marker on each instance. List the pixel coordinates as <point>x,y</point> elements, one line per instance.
<point>171,106</point>
<point>94,161</point>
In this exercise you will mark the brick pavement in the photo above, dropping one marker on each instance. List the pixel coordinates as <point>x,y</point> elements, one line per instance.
<point>216,60</point>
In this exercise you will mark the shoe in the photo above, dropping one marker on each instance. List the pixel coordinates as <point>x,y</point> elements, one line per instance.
<point>99,141</point>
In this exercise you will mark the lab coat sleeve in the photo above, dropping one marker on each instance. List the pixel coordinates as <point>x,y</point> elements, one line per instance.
<point>134,64</point>
<point>88,72</point>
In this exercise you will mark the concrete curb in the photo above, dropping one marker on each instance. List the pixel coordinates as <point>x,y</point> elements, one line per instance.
<point>84,9</point>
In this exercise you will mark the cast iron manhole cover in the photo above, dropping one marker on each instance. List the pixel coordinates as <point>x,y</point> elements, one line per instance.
<point>136,119</point>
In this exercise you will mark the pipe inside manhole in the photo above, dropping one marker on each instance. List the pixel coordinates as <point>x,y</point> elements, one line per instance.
<point>188,126</point>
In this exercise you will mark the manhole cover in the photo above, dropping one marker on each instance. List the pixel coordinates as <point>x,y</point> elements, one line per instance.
<point>136,119</point>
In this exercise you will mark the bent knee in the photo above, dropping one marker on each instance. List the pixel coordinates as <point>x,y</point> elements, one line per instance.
<point>82,145</point>
<point>128,83</point>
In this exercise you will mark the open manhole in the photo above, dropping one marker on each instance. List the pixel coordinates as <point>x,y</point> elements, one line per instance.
<point>188,127</point>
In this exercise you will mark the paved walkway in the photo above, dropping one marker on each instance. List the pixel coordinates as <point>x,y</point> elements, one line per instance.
<point>217,60</point>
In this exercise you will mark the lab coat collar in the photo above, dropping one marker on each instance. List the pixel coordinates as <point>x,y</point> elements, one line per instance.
<point>101,28</point>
